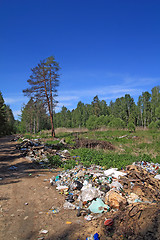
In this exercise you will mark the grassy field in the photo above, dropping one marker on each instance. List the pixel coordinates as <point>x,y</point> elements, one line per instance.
<point>129,147</point>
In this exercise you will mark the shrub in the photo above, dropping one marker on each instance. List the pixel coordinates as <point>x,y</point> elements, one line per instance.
<point>131,127</point>
<point>69,164</point>
<point>100,121</point>
<point>55,160</point>
<point>157,123</point>
<point>117,123</point>
<point>152,125</point>
<point>92,122</point>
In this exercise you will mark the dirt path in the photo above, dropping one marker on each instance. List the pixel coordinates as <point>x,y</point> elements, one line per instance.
<point>25,198</point>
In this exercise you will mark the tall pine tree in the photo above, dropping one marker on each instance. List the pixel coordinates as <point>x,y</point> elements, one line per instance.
<point>43,85</point>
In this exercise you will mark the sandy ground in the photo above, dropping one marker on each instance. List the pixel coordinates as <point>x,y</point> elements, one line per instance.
<point>26,197</point>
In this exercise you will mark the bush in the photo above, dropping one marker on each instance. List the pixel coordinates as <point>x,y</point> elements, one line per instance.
<point>92,122</point>
<point>55,160</point>
<point>117,123</point>
<point>100,121</point>
<point>152,125</point>
<point>69,164</point>
<point>131,127</point>
<point>157,123</point>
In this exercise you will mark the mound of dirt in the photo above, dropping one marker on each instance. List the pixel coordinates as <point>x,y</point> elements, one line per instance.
<point>88,143</point>
<point>142,183</point>
<point>138,221</point>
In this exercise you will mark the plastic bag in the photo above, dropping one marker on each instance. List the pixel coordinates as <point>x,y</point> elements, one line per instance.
<point>113,172</point>
<point>68,205</point>
<point>76,185</point>
<point>89,194</point>
<point>116,185</point>
<point>98,206</point>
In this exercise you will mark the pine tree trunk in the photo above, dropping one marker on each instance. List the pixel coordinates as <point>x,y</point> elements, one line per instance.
<point>49,108</point>
<point>34,125</point>
<point>37,125</point>
<point>141,118</point>
<point>52,126</point>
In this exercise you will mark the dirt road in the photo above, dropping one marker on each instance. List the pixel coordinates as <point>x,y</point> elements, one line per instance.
<point>26,197</point>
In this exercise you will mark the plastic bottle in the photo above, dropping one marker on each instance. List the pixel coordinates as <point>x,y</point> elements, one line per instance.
<point>90,238</point>
<point>96,236</point>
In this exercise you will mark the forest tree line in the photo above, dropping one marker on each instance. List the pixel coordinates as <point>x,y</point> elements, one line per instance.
<point>7,121</point>
<point>121,113</point>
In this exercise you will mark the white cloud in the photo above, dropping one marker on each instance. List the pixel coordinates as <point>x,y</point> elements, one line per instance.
<point>136,81</point>
<point>106,89</point>
<point>67,98</point>
<point>103,91</point>
<point>11,100</point>
<point>61,104</point>
<point>16,113</point>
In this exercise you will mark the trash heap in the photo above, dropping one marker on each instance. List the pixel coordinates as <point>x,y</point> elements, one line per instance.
<point>36,151</point>
<point>93,191</point>
<point>149,167</point>
<point>16,137</point>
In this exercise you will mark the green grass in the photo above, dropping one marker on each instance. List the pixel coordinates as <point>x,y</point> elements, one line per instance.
<point>140,145</point>
<point>52,142</point>
<point>107,160</point>
<point>135,143</point>
<point>90,156</point>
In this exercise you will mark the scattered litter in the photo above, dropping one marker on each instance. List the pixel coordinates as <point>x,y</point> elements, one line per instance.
<point>13,168</point>
<point>88,217</point>
<point>115,184</point>
<point>98,206</point>
<point>149,167</point>
<point>25,218</point>
<point>132,198</point>
<point>115,200</point>
<point>43,231</point>
<point>114,173</point>
<point>36,151</point>
<point>20,210</point>
<point>16,138</point>
<point>157,177</point>
<point>68,222</point>
<point>53,210</point>
<point>93,237</point>
<point>68,205</point>
<point>108,222</point>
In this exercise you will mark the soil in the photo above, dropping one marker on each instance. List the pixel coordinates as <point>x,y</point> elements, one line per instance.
<point>97,144</point>
<point>26,197</point>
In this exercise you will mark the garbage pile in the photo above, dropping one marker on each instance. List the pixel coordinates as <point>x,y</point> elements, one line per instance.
<point>150,167</point>
<point>36,151</point>
<point>93,191</point>
<point>16,137</point>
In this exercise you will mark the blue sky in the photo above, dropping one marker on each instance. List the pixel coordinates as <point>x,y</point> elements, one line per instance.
<point>105,48</point>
